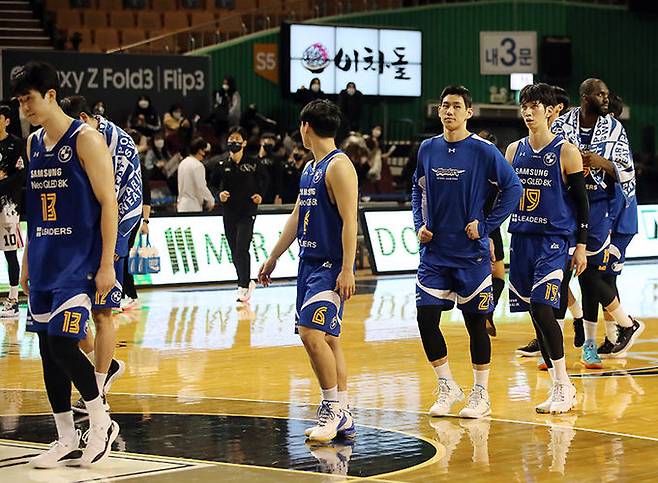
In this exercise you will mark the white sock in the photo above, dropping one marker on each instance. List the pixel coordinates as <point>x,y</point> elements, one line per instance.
<point>576,310</point>
<point>551,372</point>
<point>342,400</point>
<point>560,368</point>
<point>590,330</point>
<point>92,358</point>
<point>100,381</point>
<point>13,293</point>
<point>611,331</point>
<point>621,317</point>
<point>65,427</point>
<point>560,322</point>
<point>330,394</point>
<point>443,371</point>
<point>481,378</point>
<point>97,414</point>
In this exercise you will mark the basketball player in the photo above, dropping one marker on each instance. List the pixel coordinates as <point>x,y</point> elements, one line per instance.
<point>567,299</point>
<point>324,221</point>
<point>456,173</point>
<point>607,160</point>
<point>497,253</point>
<point>12,178</point>
<point>128,187</point>
<point>624,228</point>
<point>71,211</point>
<point>542,227</point>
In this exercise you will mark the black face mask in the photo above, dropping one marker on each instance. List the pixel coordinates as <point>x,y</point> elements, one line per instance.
<point>234,147</point>
<point>269,148</point>
<point>298,157</point>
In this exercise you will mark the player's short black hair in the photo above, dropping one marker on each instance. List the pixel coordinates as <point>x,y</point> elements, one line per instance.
<point>198,144</point>
<point>5,110</point>
<point>323,116</point>
<point>238,130</point>
<point>35,75</point>
<point>561,97</point>
<point>458,91</point>
<point>615,105</point>
<point>540,92</point>
<point>74,106</point>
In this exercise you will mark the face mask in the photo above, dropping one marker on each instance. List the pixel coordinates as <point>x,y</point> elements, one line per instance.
<point>351,91</point>
<point>376,133</point>
<point>298,156</point>
<point>315,87</point>
<point>159,143</point>
<point>177,115</point>
<point>143,104</point>
<point>100,110</point>
<point>225,87</point>
<point>234,147</point>
<point>269,148</point>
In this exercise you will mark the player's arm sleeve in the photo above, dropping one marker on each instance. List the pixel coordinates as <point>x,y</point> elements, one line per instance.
<point>509,185</point>
<point>578,192</point>
<point>418,193</point>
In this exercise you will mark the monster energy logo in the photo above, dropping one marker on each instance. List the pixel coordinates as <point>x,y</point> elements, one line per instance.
<point>181,244</point>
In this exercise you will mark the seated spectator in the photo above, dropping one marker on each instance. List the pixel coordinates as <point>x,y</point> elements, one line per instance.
<point>157,151</point>
<point>288,175</point>
<point>174,120</point>
<point>144,117</point>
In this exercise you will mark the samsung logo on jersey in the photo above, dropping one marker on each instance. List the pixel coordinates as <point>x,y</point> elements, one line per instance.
<point>59,231</point>
<point>45,173</point>
<point>450,173</point>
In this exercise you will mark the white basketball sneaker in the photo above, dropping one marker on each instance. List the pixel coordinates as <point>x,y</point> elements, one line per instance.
<point>99,444</point>
<point>59,453</point>
<point>329,419</point>
<point>545,407</point>
<point>447,394</point>
<point>478,405</point>
<point>564,397</point>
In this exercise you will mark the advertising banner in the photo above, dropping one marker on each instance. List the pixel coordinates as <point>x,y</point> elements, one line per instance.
<point>118,79</point>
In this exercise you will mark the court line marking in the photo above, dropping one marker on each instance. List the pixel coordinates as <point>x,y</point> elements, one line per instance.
<point>291,403</point>
<point>439,450</point>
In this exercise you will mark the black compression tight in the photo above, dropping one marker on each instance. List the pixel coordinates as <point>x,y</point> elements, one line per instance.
<point>63,362</point>
<point>429,317</point>
<point>595,291</point>
<point>13,268</point>
<point>546,325</point>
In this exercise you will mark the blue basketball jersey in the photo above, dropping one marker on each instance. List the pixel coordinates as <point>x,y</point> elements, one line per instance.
<point>319,229</point>
<point>127,180</point>
<point>545,207</point>
<point>63,215</point>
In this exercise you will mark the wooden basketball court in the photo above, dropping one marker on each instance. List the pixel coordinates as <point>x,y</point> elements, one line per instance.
<point>215,391</point>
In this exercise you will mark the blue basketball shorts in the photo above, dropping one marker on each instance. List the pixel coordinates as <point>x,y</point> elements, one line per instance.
<point>318,305</point>
<point>112,300</point>
<point>537,265</point>
<point>618,245</point>
<point>598,235</point>
<point>469,286</point>
<point>60,312</point>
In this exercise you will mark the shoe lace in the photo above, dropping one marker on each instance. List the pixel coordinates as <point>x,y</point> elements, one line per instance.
<point>476,396</point>
<point>443,391</point>
<point>558,392</point>
<point>590,352</point>
<point>325,413</point>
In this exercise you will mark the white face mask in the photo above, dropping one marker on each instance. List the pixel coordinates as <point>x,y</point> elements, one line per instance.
<point>100,110</point>
<point>143,104</point>
<point>159,143</point>
<point>225,87</point>
<point>315,87</point>
<point>351,91</point>
<point>376,133</point>
<point>177,115</point>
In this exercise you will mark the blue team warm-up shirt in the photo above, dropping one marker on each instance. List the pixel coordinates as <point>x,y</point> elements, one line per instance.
<point>63,215</point>
<point>450,189</point>
<point>320,227</point>
<point>545,207</point>
<point>127,180</point>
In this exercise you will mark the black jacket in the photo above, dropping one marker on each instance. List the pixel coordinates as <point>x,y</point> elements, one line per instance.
<point>242,180</point>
